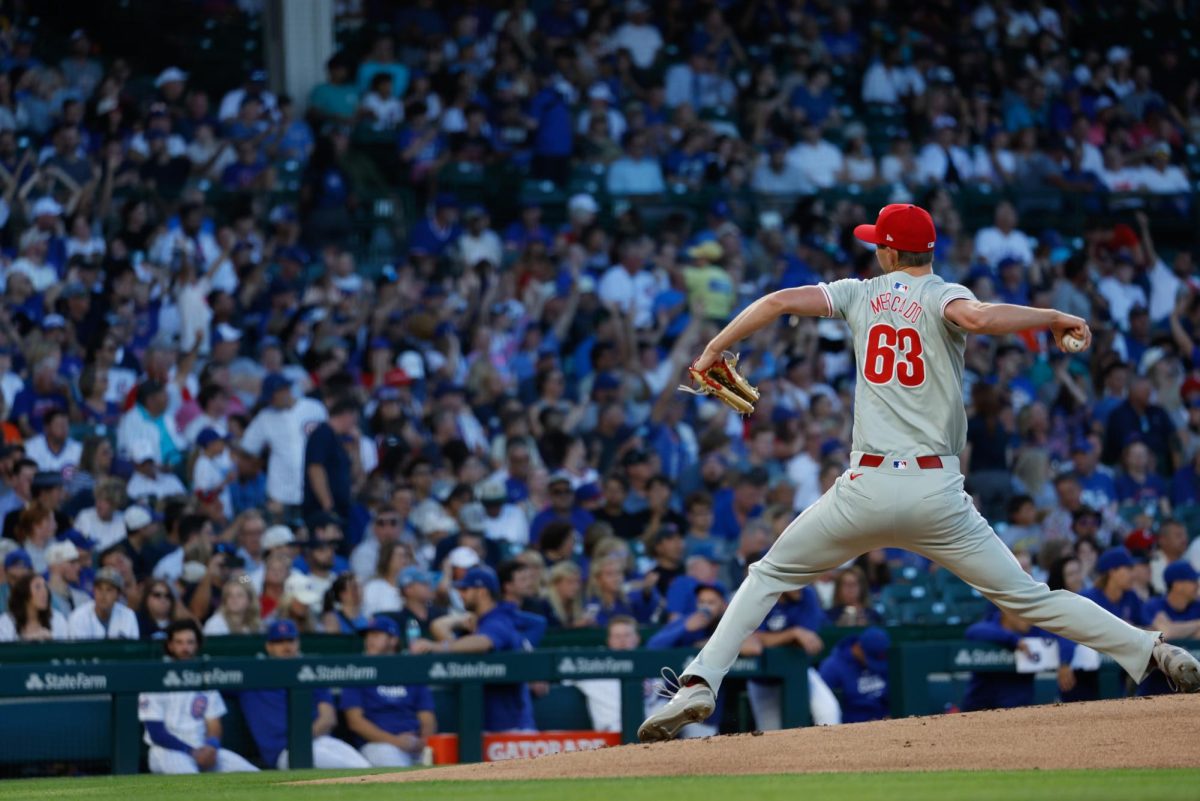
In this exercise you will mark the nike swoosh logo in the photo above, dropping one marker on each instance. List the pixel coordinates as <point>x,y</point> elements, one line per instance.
<point>854,476</point>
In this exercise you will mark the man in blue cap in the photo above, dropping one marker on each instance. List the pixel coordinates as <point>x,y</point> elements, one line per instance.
<point>489,627</point>
<point>283,426</point>
<point>265,712</point>
<point>433,234</point>
<point>857,671</point>
<point>794,622</point>
<point>1113,590</point>
<point>702,566</point>
<point>17,565</point>
<point>694,630</point>
<point>394,722</point>
<point>1005,689</point>
<point>1176,615</point>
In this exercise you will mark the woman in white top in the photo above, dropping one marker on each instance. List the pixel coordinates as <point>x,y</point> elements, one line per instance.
<point>102,522</point>
<point>30,617</point>
<point>380,106</point>
<point>83,240</point>
<point>381,594</point>
<point>859,164</point>
<point>239,612</point>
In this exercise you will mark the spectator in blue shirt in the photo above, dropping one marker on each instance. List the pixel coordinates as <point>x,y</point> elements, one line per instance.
<point>733,508</point>
<point>794,622</point>
<point>1138,418</point>
<point>1099,489</point>
<point>1113,589</point>
<point>527,230</point>
<point>433,234</point>
<point>608,596</point>
<point>562,508</point>
<point>693,631</point>
<point>506,707</point>
<point>1137,485</point>
<point>1176,615</point>
<point>266,713</point>
<point>857,671</point>
<point>703,566</point>
<point>637,172</point>
<point>1001,689</point>
<point>1185,484</point>
<point>328,473</point>
<point>554,137</point>
<point>392,723</point>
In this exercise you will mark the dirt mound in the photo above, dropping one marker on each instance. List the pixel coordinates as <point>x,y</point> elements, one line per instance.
<point>1105,734</point>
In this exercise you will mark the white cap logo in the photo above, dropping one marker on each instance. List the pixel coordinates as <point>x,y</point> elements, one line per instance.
<point>889,238</point>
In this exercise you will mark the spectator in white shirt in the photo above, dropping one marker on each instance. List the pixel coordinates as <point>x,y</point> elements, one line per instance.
<point>600,100</point>
<point>1160,176</point>
<point>385,527</point>
<point>995,162</point>
<point>942,160</point>
<point>776,175</point>
<point>102,522</point>
<point>819,160</point>
<point>32,261</point>
<point>899,164</point>
<point>380,106</point>
<point>214,413</point>
<point>283,426</point>
<point>1003,240</point>
<point>503,521</point>
<point>53,449</point>
<point>637,35</point>
<point>697,84</point>
<point>889,82</point>
<point>105,618</point>
<point>636,173</point>
<point>382,592</point>
<point>1121,293</point>
<point>479,243</point>
<point>859,162</point>
<point>213,472</point>
<point>148,482</point>
<point>628,285</point>
<point>31,617</point>
<point>148,422</point>
<point>1118,177</point>
<point>255,85</point>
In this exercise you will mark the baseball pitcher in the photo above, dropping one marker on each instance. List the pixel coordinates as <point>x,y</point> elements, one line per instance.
<point>904,488</point>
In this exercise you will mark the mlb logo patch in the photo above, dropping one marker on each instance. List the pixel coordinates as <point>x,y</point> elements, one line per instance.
<point>899,464</point>
<point>900,287</point>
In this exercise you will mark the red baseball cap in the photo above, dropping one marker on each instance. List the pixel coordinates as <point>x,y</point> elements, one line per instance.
<point>901,226</point>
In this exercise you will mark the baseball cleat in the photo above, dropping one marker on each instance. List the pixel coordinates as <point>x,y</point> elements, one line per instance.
<point>688,704</point>
<point>1180,667</point>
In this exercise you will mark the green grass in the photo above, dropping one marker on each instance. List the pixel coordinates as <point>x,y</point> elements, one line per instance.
<point>1095,785</point>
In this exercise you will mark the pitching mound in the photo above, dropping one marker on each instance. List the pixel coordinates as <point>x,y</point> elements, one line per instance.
<point>1132,733</point>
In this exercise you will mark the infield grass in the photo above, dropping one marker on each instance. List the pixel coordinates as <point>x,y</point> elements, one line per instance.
<point>1094,785</point>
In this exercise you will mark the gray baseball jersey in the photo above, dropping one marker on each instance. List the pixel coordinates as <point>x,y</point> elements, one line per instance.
<point>908,397</point>
<point>908,402</point>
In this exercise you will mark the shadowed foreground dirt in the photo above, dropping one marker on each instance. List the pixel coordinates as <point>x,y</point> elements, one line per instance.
<point>1135,733</point>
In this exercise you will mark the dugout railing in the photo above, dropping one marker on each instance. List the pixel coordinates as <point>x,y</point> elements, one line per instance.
<point>465,673</point>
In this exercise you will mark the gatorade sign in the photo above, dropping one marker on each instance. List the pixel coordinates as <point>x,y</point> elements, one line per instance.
<point>502,747</point>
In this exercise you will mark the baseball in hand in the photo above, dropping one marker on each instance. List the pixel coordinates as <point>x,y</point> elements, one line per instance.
<point>1072,343</point>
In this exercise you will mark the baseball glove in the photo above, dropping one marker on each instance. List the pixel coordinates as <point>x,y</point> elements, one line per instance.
<point>723,382</point>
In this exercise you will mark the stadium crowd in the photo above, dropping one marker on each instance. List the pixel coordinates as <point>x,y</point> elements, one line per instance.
<point>220,406</point>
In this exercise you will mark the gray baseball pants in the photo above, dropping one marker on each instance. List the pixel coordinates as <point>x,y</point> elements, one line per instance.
<point>926,511</point>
